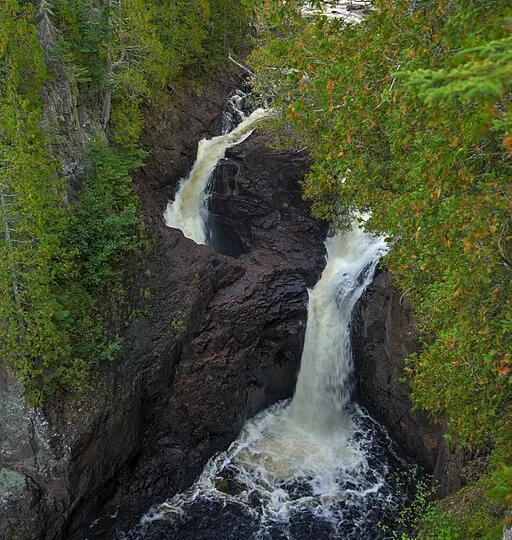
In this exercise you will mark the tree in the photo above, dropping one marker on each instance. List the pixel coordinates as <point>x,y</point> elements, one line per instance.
<point>408,114</point>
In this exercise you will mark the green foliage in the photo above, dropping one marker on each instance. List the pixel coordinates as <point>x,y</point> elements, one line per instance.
<point>409,114</point>
<point>503,489</point>
<point>83,30</point>
<point>55,262</point>
<point>22,68</point>
<point>420,519</point>
<point>178,326</point>
<point>136,49</point>
<point>32,213</point>
<point>465,515</point>
<point>411,515</point>
<point>105,219</point>
<point>484,72</point>
<point>477,511</point>
<point>60,263</point>
<point>499,487</point>
<point>438,526</point>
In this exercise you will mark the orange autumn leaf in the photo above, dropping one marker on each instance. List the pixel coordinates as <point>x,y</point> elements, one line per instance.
<point>507,143</point>
<point>503,370</point>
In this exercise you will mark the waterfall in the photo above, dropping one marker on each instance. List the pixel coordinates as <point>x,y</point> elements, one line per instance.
<point>345,10</point>
<point>324,385</point>
<point>316,466</point>
<point>236,110</point>
<point>188,211</point>
<point>313,467</point>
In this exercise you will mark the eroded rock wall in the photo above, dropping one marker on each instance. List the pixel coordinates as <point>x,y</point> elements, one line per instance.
<point>383,335</point>
<point>240,323</point>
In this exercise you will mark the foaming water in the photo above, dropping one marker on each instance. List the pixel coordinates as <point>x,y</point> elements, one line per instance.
<point>317,466</point>
<point>279,481</point>
<point>343,10</point>
<point>324,385</point>
<point>188,211</point>
<point>237,109</point>
<point>277,477</point>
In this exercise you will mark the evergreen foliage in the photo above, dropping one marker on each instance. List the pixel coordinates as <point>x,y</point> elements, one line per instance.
<point>61,263</point>
<point>409,114</point>
<point>105,219</point>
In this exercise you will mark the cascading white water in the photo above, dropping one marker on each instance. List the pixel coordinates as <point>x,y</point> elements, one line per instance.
<point>344,10</point>
<point>324,385</point>
<point>188,211</point>
<point>315,462</point>
<point>236,110</point>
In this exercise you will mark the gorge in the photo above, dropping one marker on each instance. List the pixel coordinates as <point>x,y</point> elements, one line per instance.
<point>316,465</point>
<point>204,331</point>
<point>161,418</point>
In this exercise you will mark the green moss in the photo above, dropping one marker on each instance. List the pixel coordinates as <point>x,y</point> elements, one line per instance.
<point>471,514</point>
<point>178,326</point>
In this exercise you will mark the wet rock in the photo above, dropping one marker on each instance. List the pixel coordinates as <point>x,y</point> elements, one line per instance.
<point>243,323</point>
<point>171,134</point>
<point>255,195</point>
<point>383,335</point>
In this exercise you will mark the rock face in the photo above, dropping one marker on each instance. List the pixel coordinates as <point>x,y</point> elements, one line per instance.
<point>383,335</point>
<point>228,332</point>
<point>213,340</point>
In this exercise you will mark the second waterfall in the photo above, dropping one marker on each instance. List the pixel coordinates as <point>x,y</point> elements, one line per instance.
<point>188,211</point>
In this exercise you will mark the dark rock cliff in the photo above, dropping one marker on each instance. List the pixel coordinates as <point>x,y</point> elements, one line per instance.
<point>383,335</point>
<point>215,335</point>
<point>227,332</point>
<point>213,340</point>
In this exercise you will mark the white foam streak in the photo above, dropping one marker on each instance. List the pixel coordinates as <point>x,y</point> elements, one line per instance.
<point>188,211</point>
<point>349,12</point>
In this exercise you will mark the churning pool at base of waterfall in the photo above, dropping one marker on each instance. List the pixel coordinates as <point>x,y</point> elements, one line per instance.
<point>278,481</point>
